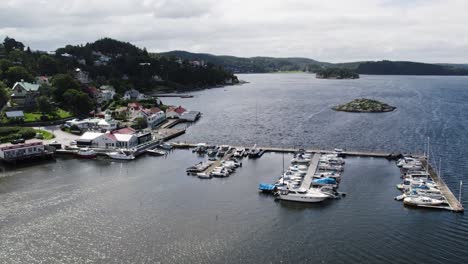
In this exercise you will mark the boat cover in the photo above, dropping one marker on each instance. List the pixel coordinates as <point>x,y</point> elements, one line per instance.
<point>325,181</point>
<point>266,187</point>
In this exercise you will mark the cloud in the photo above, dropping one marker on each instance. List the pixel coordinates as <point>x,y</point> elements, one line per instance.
<point>335,30</point>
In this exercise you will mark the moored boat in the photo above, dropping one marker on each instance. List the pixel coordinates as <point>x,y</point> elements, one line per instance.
<point>121,155</point>
<point>305,196</point>
<point>86,153</point>
<point>422,201</point>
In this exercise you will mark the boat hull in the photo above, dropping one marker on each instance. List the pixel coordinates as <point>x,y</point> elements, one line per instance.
<point>301,198</point>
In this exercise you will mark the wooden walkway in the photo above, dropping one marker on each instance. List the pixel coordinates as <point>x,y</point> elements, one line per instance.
<point>217,163</point>
<point>307,181</point>
<point>454,204</point>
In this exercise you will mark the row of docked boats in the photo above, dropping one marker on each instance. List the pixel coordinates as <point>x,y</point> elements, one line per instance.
<point>296,184</point>
<point>418,188</point>
<point>225,168</point>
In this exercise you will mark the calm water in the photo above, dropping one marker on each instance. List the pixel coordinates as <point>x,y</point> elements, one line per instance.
<point>149,210</point>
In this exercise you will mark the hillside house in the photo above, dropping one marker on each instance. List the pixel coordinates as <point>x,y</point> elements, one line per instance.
<point>24,94</point>
<point>175,112</point>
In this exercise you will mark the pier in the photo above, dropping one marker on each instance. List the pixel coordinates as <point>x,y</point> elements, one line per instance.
<point>307,181</point>
<point>374,154</point>
<point>454,204</point>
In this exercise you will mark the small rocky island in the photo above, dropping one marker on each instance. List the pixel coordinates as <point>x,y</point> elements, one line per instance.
<point>336,73</point>
<point>364,106</point>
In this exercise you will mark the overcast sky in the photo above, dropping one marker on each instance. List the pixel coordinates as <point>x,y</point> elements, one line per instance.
<point>326,30</point>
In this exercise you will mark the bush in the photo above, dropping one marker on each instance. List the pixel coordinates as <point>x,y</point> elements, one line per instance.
<point>44,118</point>
<point>8,134</point>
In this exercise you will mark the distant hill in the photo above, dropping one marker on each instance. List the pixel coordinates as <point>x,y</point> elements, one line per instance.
<point>250,65</point>
<point>408,68</point>
<point>270,64</point>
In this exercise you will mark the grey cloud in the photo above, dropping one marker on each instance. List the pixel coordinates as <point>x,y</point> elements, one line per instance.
<point>339,30</point>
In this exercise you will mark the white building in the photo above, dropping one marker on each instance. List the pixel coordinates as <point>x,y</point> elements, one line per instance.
<point>155,119</point>
<point>108,123</point>
<point>135,95</point>
<point>107,140</point>
<point>174,112</point>
<point>190,116</point>
<point>83,123</point>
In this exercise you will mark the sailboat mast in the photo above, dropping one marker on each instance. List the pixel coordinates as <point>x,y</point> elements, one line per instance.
<point>427,156</point>
<point>460,192</point>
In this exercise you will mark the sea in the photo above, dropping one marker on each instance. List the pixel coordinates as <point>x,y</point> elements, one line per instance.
<point>150,211</point>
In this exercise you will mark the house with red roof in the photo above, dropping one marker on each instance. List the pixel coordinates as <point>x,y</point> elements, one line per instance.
<point>175,112</point>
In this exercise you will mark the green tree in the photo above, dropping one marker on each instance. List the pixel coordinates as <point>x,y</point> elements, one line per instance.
<point>5,64</point>
<point>47,65</point>
<point>140,123</point>
<point>17,73</point>
<point>61,83</point>
<point>11,44</point>
<point>4,96</point>
<point>44,105</point>
<point>78,102</point>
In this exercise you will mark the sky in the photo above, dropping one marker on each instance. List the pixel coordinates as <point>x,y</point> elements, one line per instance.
<point>326,30</point>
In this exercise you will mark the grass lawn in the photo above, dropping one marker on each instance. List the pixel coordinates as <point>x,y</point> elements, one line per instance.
<point>46,134</point>
<point>36,116</point>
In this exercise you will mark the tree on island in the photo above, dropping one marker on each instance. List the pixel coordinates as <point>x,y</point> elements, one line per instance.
<point>336,73</point>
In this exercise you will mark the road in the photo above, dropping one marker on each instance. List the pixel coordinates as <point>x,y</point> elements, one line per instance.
<point>60,136</point>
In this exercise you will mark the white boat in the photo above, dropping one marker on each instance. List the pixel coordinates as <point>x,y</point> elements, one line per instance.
<point>202,175</point>
<point>219,172</point>
<point>422,200</point>
<point>121,155</point>
<point>166,146</point>
<point>299,195</point>
<point>302,158</point>
<point>86,153</point>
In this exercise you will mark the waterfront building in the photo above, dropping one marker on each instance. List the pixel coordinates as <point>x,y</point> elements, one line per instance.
<point>175,112</point>
<point>190,116</point>
<point>13,152</point>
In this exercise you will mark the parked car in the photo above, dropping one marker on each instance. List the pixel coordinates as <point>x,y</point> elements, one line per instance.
<point>18,141</point>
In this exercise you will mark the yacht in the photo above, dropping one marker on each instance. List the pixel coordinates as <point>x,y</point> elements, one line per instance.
<point>422,200</point>
<point>155,152</point>
<point>219,172</point>
<point>121,155</point>
<point>86,153</point>
<point>302,195</point>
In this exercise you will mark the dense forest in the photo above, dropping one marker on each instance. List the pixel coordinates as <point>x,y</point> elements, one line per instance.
<point>268,64</point>
<point>251,65</point>
<point>109,61</point>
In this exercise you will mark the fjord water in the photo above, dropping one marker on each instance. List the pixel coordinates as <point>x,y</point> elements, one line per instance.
<point>149,210</point>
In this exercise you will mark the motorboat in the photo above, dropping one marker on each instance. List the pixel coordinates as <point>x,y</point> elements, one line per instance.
<point>422,201</point>
<point>219,172</point>
<point>155,152</point>
<point>86,153</point>
<point>212,152</point>
<point>166,146</point>
<point>302,195</point>
<point>302,158</point>
<point>203,175</point>
<point>239,153</point>
<point>416,193</point>
<point>200,148</point>
<point>121,155</point>
<point>328,167</point>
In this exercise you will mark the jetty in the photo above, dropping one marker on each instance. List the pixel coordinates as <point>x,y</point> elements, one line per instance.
<point>307,181</point>
<point>454,204</point>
